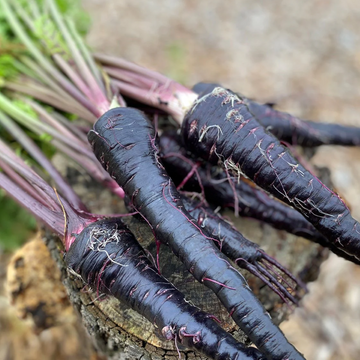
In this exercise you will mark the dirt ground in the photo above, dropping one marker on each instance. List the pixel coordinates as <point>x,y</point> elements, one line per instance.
<point>305,56</point>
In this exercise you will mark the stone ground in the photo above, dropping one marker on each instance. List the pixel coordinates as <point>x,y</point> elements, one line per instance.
<point>303,55</point>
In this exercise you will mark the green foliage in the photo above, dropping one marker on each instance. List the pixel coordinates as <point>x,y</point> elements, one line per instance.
<point>44,30</point>
<point>7,66</point>
<point>176,55</point>
<point>73,10</point>
<point>16,224</point>
<point>47,31</point>
<point>21,105</point>
<point>43,141</point>
<point>69,8</point>
<point>4,29</point>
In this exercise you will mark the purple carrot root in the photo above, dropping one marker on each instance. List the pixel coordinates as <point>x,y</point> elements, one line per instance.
<point>131,160</point>
<point>108,257</point>
<point>218,283</point>
<point>253,270</point>
<point>291,129</point>
<point>219,127</point>
<point>272,261</point>
<point>252,201</point>
<point>193,170</point>
<point>242,251</point>
<point>275,280</point>
<point>271,270</point>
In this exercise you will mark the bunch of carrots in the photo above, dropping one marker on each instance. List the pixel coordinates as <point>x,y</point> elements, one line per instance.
<point>221,137</point>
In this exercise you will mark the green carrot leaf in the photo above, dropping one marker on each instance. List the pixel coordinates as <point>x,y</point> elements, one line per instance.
<point>47,32</point>
<point>12,215</point>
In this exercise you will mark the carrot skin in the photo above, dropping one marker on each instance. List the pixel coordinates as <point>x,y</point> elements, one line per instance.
<point>220,127</point>
<point>123,141</point>
<point>252,201</point>
<point>108,257</point>
<point>235,246</point>
<point>303,132</point>
<point>246,254</point>
<point>293,130</point>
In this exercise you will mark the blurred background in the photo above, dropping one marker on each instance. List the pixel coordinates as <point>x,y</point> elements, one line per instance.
<point>302,55</point>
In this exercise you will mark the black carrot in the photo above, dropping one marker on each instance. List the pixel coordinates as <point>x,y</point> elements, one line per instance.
<point>74,84</point>
<point>246,254</point>
<point>293,130</point>
<point>124,142</point>
<point>108,257</point>
<point>219,127</point>
<point>253,202</point>
<point>242,251</point>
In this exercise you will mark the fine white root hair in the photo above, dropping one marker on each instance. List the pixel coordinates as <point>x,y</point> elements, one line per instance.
<point>234,114</point>
<point>234,169</point>
<point>97,243</point>
<point>229,97</point>
<point>198,101</point>
<point>204,130</point>
<point>219,91</point>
